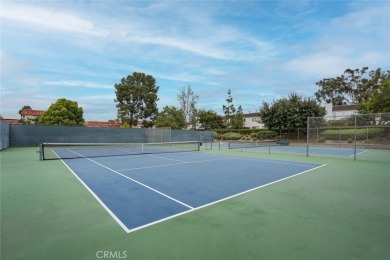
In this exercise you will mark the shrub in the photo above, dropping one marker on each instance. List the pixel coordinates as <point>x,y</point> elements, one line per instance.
<point>231,136</point>
<point>266,134</point>
<point>349,133</point>
<point>216,136</point>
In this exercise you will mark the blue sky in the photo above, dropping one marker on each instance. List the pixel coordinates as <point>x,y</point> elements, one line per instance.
<point>261,50</point>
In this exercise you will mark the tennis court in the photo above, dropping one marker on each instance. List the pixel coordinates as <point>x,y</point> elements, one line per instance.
<point>273,147</point>
<point>140,190</point>
<point>207,204</point>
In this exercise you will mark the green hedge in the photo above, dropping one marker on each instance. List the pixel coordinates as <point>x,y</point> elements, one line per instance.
<point>231,136</point>
<point>345,134</point>
<point>240,131</point>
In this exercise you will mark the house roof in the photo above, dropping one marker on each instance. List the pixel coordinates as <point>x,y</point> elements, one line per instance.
<point>344,108</point>
<point>101,124</point>
<point>251,115</point>
<point>30,112</point>
<point>11,121</point>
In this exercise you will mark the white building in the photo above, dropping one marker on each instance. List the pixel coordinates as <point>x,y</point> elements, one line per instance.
<point>253,121</point>
<point>340,111</point>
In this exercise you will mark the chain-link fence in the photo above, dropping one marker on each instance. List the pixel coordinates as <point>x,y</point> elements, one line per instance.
<point>357,132</point>
<point>158,135</point>
<point>32,135</point>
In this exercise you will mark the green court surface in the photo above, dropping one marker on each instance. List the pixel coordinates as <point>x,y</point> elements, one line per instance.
<point>339,211</point>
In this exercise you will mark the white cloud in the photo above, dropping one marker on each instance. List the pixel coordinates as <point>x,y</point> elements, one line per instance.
<point>295,9</point>
<point>259,53</point>
<point>359,38</point>
<point>82,84</point>
<point>190,46</point>
<point>317,64</point>
<point>367,20</point>
<point>50,18</point>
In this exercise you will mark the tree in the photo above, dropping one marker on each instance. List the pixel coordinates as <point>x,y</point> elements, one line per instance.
<point>238,119</point>
<point>63,112</point>
<point>170,117</point>
<point>379,100</point>
<point>290,113</point>
<point>210,119</point>
<point>136,97</point>
<point>353,87</point>
<point>23,108</point>
<point>229,110</point>
<point>188,99</point>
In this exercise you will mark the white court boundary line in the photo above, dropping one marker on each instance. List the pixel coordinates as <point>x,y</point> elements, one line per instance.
<point>358,153</point>
<point>221,200</point>
<point>191,209</point>
<point>96,197</point>
<point>218,159</point>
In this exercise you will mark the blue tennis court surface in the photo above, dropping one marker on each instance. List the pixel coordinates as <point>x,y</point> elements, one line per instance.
<point>141,190</point>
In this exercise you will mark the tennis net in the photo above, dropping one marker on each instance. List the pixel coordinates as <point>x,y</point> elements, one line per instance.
<point>52,151</point>
<point>251,144</point>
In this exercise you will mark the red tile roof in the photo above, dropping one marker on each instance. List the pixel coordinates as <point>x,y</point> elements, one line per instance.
<point>101,124</point>
<point>11,121</point>
<point>251,115</point>
<point>344,108</point>
<point>30,112</point>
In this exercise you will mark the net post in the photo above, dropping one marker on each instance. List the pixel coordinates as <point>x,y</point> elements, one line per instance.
<point>41,155</point>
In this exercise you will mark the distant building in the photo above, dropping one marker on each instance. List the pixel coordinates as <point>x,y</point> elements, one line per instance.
<point>109,124</point>
<point>29,115</point>
<point>10,121</point>
<point>113,124</point>
<point>340,111</point>
<point>253,121</point>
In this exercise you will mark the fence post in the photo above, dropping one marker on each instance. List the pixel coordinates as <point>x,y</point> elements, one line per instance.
<point>298,136</point>
<point>354,152</point>
<point>308,136</point>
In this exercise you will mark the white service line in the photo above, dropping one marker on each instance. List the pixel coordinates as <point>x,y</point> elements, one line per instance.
<point>223,199</point>
<point>96,197</point>
<point>190,209</point>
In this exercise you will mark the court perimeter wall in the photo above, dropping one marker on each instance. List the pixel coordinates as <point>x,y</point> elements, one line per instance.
<point>4,135</point>
<point>32,135</point>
